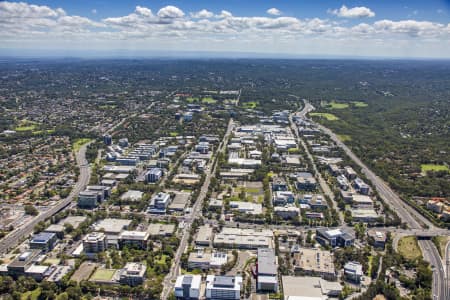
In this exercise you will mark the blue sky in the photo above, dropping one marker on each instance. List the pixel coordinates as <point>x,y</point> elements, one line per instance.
<point>301,28</point>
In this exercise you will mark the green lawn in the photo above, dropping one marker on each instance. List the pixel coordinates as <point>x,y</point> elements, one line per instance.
<point>209,100</point>
<point>359,104</point>
<point>432,167</point>
<point>103,275</point>
<point>173,134</point>
<point>251,104</point>
<point>409,248</point>
<point>25,128</point>
<point>49,131</point>
<point>191,99</point>
<point>80,142</point>
<point>329,117</point>
<point>336,105</point>
<point>344,137</point>
<point>31,295</point>
<point>162,260</point>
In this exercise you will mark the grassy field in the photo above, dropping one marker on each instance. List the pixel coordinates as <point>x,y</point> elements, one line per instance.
<point>359,104</point>
<point>25,128</point>
<point>191,99</point>
<point>344,137</point>
<point>173,134</point>
<point>441,243</point>
<point>49,131</point>
<point>329,117</point>
<point>209,100</point>
<point>78,143</point>
<point>432,167</point>
<point>26,125</point>
<point>103,275</point>
<point>251,104</point>
<point>409,248</point>
<point>336,105</point>
<point>31,295</point>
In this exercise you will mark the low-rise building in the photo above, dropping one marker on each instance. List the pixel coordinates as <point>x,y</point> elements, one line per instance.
<point>287,212</point>
<point>315,262</point>
<point>133,274</point>
<point>379,238</point>
<point>436,205</point>
<point>95,242</point>
<point>187,287</point>
<point>305,182</point>
<point>22,262</point>
<point>281,198</point>
<point>309,288</point>
<point>353,271</point>
<point>44,241</point>
<point>205,260</point>
<point>279,184</point>
<point>159,203</point>
<point>223,287</point>
<point>267,270</point>
<point>132,196</point>
<point>362,201</point>
<point>153,175</point>
<point>244,238</point>
<point>158,229</point>
<point>350,173</point>
<point>246,207</point>
<point>204,236</point>
<point>335,237</point>
<point>136,239</point>
<point>367,215</point>
<point>361,186</point>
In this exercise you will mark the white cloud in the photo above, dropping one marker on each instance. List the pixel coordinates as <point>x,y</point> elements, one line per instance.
<point>170,12</point>
<point>24,10</point>
<point>143,11</point>
<point>202,14</point>
<point>170,27</point>
<point>224,14</point>
<point>355,12</point>
<point>273,11</point>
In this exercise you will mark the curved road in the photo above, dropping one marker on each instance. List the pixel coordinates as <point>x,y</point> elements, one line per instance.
<point>13,238</point>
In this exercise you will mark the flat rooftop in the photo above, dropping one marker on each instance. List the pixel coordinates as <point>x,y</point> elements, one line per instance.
<point>114,226</point>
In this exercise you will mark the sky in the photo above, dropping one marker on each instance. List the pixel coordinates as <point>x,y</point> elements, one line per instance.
<point>324,28</point>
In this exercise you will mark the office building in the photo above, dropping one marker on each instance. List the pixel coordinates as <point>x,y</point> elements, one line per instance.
<point>133,274</point>
<point>334,237</point>
<point>95,242</point>
<point>107,140</point>
<point>267,270</point>
<point>353,271</point>
<point>187,287</point>
<point>223,287</point>
<point>44,241</point>
<point>204,236</point>
<point>281,198</point>
<point>361,186</point>
<point>159,203</point>
<point>22,262</point>
<point>153,175</point>
<point>136,239</point>
<point>315,262</point>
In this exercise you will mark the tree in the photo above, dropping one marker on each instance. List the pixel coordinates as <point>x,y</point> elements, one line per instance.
<point>31,210</point>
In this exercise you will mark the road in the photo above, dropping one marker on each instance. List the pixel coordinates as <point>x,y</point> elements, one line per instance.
<point>196,210</point>
<point>15,237</point>
<point>431,254</point>
<point>323,184</point>
<point>409,215</point>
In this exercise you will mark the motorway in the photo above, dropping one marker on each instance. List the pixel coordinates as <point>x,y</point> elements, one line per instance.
<point>409,215</point>
<point>196,210</point>
<point>15,237</point>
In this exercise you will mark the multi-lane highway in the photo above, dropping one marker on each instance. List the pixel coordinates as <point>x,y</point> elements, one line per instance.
<point>13,239</point>
<point>196,210</point>
<point>409,215</point>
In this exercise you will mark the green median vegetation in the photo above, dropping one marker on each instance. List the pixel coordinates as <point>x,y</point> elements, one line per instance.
<point>80,142</point>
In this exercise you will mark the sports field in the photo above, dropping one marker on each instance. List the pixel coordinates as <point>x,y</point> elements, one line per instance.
<point>329,117</point>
